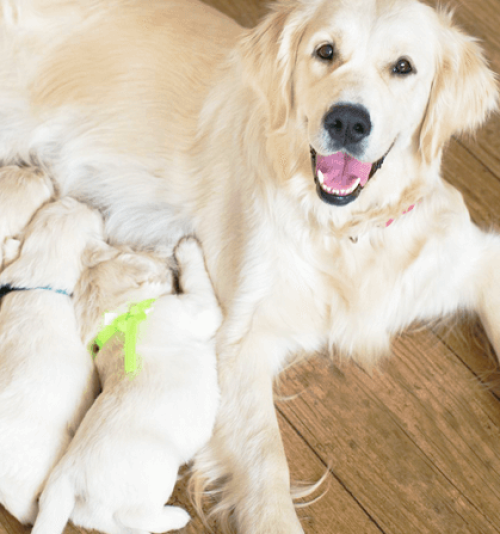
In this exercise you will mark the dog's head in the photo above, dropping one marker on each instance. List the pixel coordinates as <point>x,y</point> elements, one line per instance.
<point>351,85</point>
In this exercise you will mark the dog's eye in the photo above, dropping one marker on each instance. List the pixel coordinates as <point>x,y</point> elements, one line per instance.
<point>402,66</point>
<point>325,52</point>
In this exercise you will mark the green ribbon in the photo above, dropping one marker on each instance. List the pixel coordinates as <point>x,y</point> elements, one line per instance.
<point>128,324</point>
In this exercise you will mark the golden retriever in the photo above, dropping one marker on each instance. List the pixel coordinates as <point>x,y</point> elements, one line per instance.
<point>304,153</point>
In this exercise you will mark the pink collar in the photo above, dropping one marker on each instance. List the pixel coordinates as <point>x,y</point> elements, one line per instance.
<point>390,221</point>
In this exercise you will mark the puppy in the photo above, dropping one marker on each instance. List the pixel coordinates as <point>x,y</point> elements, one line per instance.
<point>22,191</point>
<point>47,378</point>
<point>122,465</point>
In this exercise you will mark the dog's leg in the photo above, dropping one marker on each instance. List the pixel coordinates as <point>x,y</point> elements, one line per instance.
<point>466,277</point>
<point>246,452</point>
<point>487,281</point>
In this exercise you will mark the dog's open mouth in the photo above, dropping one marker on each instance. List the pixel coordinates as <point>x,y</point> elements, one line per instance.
<point>340,177</point>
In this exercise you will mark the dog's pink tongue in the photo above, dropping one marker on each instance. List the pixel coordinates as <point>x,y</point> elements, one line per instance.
<point>340,170</point>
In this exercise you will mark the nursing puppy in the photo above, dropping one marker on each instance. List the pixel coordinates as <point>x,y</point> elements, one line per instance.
<point>122,464</point>
<point>22,191</point>
<point>47,378</point>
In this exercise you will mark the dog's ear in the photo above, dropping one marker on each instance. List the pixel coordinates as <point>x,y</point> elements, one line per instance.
<point>464,91</point>
<point>269,54</point>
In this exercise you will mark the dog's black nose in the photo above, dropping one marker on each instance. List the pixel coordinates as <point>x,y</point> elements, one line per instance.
<point>348,124</point>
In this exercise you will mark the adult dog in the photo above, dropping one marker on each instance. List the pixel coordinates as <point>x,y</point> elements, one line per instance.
<point>170,118</point>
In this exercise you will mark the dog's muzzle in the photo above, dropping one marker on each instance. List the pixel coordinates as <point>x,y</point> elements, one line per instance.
<point>340,178</point>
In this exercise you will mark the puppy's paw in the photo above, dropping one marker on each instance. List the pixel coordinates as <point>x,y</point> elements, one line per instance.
<point>188,250</point>
<point>164,520</point>
<point>176,518</point>
<point>193,276</point>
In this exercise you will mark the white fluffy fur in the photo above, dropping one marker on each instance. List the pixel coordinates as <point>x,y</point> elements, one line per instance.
<point>122,464</point>
<point>47,378</point>
<point>23,191</point>
<point>167,115</point>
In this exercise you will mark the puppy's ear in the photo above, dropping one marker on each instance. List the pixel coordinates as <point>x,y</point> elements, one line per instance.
<point>87,301</point>
<point>464,90</point>
<point>269,54</point>
<point>89,295</point>
<point>96,252</point>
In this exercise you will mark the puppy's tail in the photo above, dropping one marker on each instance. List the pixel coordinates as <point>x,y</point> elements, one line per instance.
<point>56,505</point>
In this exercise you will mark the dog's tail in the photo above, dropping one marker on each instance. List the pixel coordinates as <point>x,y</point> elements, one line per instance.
<point>56,504</point>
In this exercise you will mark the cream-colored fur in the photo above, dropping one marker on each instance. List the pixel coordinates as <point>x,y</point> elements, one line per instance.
<point>47,378</point>
<point>122,464</point>
<point>117,277</point>
<point>23,191</point>
<point>169,117</point>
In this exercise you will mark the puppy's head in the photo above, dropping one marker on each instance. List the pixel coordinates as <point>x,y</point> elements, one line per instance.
<point>116,278</point>
<point>24,190</point>
<point>55,244</point>
<point>361,96</point>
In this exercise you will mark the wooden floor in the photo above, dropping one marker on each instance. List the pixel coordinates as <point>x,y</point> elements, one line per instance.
<point>414,448</point>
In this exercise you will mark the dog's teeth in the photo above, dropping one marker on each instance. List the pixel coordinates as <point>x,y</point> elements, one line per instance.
<point>337,192</point>
<point>353,187</point>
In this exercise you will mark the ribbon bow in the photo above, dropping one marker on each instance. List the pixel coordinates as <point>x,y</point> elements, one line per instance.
<point>128,324</point>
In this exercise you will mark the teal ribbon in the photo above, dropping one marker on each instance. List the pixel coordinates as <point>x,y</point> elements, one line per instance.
<point>128,324</point>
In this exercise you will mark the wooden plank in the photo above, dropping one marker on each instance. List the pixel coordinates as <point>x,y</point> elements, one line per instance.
<point>448,414</point>
<point>468,341</point>
<point>245,13</point>
<point>379,446</point>
<point>336,511</point>
<point>9,525</point>
<point>480,187</point>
